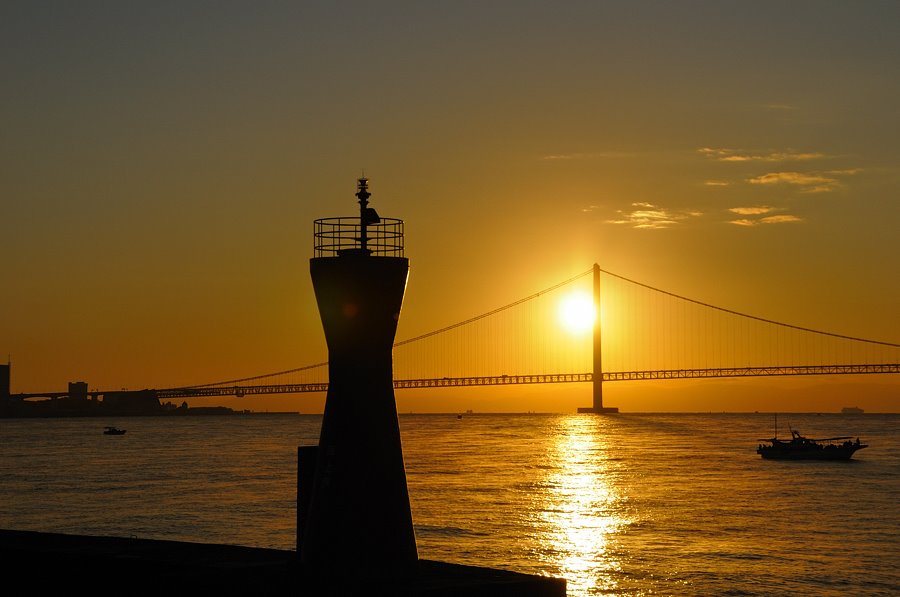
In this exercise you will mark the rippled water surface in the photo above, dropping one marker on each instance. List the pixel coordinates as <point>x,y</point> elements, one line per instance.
<point>631,504</point>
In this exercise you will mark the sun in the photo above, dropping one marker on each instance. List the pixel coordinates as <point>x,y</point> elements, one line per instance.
<point>576,312</point>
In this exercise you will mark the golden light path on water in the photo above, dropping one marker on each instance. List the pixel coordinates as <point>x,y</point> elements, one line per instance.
<point>584,513</point>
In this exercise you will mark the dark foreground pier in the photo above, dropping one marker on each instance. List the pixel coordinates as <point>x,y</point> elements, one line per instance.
<point>38,563</point>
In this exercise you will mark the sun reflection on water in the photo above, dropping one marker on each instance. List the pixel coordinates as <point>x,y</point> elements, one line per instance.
<point>584,511</point>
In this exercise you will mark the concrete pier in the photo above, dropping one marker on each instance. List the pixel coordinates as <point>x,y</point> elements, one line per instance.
<point>49,563</point>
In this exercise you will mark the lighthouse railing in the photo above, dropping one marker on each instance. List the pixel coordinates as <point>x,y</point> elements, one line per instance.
<point>333,236</point>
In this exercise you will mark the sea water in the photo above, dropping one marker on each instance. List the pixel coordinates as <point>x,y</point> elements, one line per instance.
<point>627,504</point>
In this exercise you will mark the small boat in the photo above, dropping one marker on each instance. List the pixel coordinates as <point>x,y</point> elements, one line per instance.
<point>804,448</point>
<point>852,410</point>
<point>113,431</point>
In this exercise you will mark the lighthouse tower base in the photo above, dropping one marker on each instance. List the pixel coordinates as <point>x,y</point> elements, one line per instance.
<point>358,508</point>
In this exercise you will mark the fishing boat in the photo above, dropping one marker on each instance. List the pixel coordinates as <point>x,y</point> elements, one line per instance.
<point>113,431</point>
<point>804,448</point>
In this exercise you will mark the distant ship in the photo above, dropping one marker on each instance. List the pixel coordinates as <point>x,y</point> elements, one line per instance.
<point>803,448</point>
<point>852,410</point>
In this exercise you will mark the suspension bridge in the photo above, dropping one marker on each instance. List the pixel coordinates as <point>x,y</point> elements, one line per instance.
<point>627,331</point>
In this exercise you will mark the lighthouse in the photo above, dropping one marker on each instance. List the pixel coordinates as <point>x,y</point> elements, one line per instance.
<point>357,509</point>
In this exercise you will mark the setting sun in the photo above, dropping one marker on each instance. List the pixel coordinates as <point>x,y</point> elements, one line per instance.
<point>576,312</point>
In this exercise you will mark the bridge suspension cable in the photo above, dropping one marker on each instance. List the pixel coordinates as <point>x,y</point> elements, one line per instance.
<point>494,311</point>
<point>232,382</point>
<point>645,330</point>
<point>754,317</point>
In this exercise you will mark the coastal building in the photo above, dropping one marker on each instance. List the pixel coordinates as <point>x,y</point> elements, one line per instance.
<point>136,402</point>
<point>78,390</point>
<point>4,382</point>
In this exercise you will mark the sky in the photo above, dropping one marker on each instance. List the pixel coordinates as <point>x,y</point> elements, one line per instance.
<point>161,164</point>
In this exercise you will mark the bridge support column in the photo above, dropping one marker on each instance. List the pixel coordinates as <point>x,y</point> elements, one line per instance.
<point>597,385</point>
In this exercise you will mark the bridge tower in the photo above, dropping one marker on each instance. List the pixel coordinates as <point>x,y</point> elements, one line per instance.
<point>358,510</point>
<point>597,386</point>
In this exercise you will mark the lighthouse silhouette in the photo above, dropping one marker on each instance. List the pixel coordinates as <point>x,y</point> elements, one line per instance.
<point>358,505</point>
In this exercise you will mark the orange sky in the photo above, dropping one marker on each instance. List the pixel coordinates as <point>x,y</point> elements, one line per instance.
<point>162,166</point>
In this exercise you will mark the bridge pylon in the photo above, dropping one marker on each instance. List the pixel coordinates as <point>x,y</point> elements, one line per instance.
<point>597,376</point>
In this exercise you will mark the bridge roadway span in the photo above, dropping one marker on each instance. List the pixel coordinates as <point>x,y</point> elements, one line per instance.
<point>500,380</point>
<point>497,380</point>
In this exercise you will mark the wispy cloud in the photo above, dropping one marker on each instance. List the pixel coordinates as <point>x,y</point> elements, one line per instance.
<point>597,155</point>
<point>724,154</point>
<point>716,183</point>
<point>779,219</point>
<point>647,215</point>
<point>809,182</point>
<point>752,211</point>
<point>798,178</point>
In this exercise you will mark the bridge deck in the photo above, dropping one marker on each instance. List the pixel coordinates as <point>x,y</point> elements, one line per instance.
<point>499,380</point>
<point>496,380</point>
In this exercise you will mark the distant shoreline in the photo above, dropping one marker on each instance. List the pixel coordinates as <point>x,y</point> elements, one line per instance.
<point>202,413</point>
<point>221,411</point>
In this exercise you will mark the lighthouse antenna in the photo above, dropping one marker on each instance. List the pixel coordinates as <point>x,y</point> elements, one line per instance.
<point>362,193</point>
